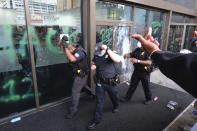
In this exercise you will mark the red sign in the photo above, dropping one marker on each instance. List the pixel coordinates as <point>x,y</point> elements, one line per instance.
<point>36,18</point>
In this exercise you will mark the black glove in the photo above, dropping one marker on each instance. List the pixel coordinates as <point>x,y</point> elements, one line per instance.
<point>64,41</point>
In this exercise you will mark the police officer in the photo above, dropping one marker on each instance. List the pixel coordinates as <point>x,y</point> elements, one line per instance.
<point>79,63</point>
<point>142,69</point>
<point>193,43</point>
<point>105,80</point>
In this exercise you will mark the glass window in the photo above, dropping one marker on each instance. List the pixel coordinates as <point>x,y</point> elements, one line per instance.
<point>175,38</point>
<point>189,19</point>
<point>177,18</point>
<point>139,23</point>
<point>16,83</point>
<point>156,22</point>
<point>54,75</point>
<point>108,10</point>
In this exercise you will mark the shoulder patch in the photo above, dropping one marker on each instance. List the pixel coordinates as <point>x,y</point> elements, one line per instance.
<point>76,55</point>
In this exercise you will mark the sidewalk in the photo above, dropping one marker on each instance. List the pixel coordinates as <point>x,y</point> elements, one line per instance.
<point>133,116</point>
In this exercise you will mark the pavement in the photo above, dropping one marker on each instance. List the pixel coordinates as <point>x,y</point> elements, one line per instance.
<point>133,115</point>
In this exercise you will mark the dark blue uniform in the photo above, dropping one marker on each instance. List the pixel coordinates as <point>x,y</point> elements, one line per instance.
<point>181,68</point>
<point>80,77</point>
<point>105,73</point>
<point>141,73</point>
<point>193,44</point>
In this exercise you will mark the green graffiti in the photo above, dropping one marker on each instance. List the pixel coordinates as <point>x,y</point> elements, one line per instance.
<point>49,43</point>
<point>27,79</point>
<point>13,97</point>
<point>8,30</point>
<point>75,33</point>
<point>11,85</point>
<point>35,41</point>
<point>106,35</point>
<point>156,25</point>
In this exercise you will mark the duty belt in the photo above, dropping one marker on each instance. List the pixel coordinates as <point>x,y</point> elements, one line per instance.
<point>109,81</point>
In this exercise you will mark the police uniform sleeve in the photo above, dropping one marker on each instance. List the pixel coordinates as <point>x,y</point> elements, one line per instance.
<point>132,53</point>
<point>79,55</point>
<point>181,68</point>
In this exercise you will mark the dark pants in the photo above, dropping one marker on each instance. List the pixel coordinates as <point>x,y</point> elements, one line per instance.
<point>78,84</point>
<point>100,95</point>
<point>145,79</point>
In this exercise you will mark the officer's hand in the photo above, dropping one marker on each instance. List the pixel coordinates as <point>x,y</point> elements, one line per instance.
<point>134,60</point>
<point>60,44</point>
<point>195,33</point>
<point>93,67</point>
<point>104,47</point>
<point>127,55</point>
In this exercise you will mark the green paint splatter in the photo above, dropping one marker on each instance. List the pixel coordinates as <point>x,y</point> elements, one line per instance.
<point>66,30</point>
<point>12,96</point>
<point>10,84</point>
<point>49,43</point>
<point>156,25</point>
<point>28,79</point>
<point>106,35</point>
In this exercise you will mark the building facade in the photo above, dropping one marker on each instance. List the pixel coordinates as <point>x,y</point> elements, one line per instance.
<point>34,71</point>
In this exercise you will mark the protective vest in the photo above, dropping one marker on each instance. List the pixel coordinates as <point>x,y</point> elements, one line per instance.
<point>104,66</point>
<point>81,65</point>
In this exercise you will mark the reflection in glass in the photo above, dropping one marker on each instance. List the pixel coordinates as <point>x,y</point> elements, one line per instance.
<point>123,46</point>
<point>178,18</point>
<point>139,23</point>
<point>16,83</point>
<point>50,19</point>
<point>108,10</point>
<point>188,36</point>
<point>156,22</point>
<point>175,38</point>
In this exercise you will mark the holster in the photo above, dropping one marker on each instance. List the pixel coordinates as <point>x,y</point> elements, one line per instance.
<point>80,73</point>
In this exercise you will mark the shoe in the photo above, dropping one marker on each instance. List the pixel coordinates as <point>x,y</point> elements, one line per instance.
<point>124,99</point>
<point>148,102</point>
<point>92,125</point>
<point>115,110</point>
<point>70,115</point>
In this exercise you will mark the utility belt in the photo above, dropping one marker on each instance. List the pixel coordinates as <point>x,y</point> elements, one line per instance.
<point>110,81</point>
<point>79,72</point>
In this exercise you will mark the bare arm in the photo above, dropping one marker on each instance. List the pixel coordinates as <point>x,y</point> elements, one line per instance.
<point>115,57</point>
<point>70,55</point>
<point>143,62</point>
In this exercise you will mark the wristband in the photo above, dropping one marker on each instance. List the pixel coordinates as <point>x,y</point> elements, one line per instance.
<point>138,61</point>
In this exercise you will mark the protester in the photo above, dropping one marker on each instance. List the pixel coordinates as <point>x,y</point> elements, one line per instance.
<point>181,68</point>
